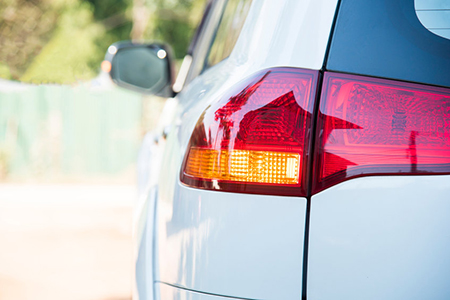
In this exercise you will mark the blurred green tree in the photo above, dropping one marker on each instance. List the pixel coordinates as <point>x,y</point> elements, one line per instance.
<point>174,22</point>
<point>25,28</point>
<point>62,41</point>
<point>71,54</point>
<point>114,16</point>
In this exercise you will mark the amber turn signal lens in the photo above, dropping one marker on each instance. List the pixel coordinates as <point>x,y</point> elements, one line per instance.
<point>244,165</point>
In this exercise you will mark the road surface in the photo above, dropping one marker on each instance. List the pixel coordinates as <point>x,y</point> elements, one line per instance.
<point>65,242</point>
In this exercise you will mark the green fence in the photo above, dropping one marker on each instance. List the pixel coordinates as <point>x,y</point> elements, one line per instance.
<point>50,130</point>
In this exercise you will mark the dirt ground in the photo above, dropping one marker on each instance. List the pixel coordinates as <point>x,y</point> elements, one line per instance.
<point>65,242</point>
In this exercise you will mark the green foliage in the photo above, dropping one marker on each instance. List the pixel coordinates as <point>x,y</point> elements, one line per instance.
<point>175,32</point>
<point>62,41</point>
<point>25,28</point>
<point>58,41</point>
<point>71,53</point>
<point>114,16</point>
<point>4,71</point>
<point>104,9</point>
<point>174,22</point>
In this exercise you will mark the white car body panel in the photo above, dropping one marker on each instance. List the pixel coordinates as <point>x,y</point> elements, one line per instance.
<point>285,33</point>
<point>198,231</point>
<point>251,246</point>
<point>381,238</point>
<point>216,242</point>
<point>164,291</point>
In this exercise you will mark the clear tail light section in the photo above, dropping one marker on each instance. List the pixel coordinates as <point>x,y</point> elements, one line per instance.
<point>370,126</point>
<point>256,138</point>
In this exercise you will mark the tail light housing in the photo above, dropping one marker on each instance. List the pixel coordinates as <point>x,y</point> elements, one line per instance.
<point>258,138</point>
<point>255,139</point>
<point>371,126</point>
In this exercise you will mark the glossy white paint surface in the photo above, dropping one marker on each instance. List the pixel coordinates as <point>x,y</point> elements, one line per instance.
<point>381,238</point>
<point>164,291</point>
<point>238,245</point>
<point>149,168</point>
<point>285,33</point>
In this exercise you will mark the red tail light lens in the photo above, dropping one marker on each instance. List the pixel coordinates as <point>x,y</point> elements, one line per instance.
<point>254,140</point>
<point>374,126</point>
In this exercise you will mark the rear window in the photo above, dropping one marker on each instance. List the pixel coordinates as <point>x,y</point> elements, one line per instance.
<point>385,38</point>
<point>435,16</point>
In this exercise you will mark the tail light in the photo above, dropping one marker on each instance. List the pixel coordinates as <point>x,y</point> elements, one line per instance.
<point>369,126</point>
<point>254,140</point>
<point>257,138</point>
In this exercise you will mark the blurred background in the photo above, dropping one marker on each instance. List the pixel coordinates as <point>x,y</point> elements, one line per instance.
<point>69,141</point>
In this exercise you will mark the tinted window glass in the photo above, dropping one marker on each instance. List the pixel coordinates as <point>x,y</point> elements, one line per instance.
<point>228,31</point>
<point>435,16</point>
<point>384,38</point>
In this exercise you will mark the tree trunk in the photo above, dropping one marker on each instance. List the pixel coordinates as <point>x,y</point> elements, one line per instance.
<point>141,15</point>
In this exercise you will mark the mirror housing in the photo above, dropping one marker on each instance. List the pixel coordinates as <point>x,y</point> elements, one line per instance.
<point>144,68</point>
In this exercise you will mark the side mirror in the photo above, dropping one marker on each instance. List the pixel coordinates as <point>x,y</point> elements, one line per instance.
<point>144,68</point>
